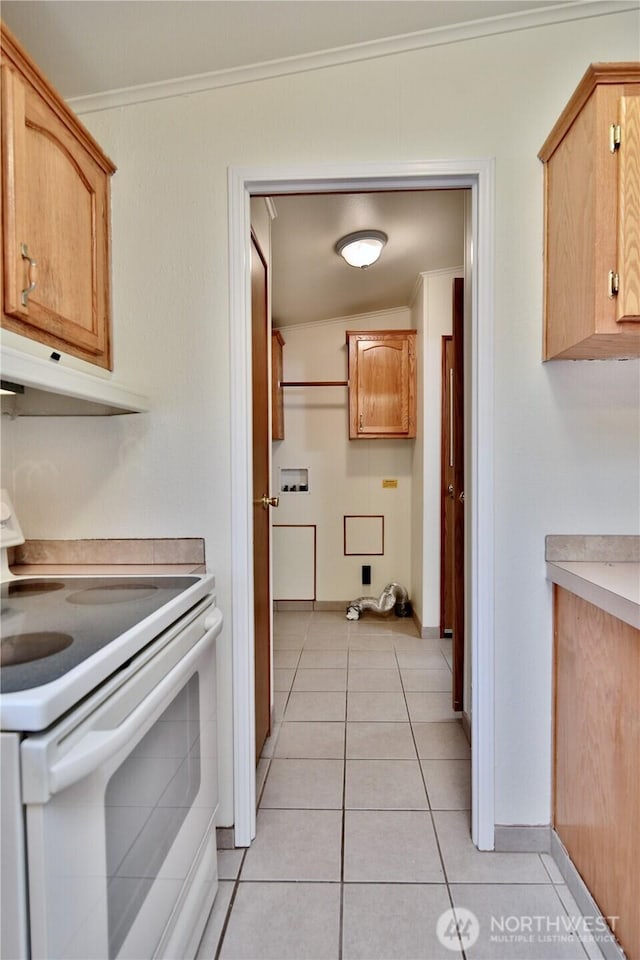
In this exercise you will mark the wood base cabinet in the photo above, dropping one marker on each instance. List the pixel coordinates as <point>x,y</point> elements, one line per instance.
<point>592,219</point>
<point>597,757</point>
<point>55,217</point>
<point>382,384</point>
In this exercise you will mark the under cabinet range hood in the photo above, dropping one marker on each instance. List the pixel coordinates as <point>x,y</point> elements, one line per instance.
<point>52,388</point>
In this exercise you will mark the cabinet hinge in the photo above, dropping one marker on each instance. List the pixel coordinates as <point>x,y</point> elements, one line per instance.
<point>614,284</point>
<point>615,137</point>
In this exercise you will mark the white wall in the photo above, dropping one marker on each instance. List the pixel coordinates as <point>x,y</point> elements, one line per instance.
<point>431,314</point>
<point>345,475</point>
<point>437,308</point>
<point>566,434</point>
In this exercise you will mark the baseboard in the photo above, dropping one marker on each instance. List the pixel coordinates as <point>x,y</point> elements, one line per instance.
<point>341,607</point>
<point>225,838</point>
<point>427,633</point>
<point>518,838</point>
<point>292,605</point>
<point>587,906</point>
<point>302,605</point>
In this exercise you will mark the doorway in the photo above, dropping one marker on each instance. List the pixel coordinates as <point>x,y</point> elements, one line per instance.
<point>477,175</point>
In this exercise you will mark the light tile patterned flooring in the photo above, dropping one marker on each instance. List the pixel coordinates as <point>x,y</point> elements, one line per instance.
<point>363,835</point>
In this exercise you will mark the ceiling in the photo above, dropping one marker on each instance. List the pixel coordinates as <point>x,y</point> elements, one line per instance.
<point>311,282</point>
<point>87,47</point>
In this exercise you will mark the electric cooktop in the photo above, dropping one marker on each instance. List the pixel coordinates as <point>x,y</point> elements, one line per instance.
<point>50,626</point>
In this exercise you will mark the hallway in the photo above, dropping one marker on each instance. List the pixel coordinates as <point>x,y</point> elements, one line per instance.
<point>363,837</point>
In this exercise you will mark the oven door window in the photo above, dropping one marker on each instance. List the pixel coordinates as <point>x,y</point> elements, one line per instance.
<point>146,803</point>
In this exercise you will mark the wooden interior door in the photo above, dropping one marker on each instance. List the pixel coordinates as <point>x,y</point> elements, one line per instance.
<point>261,520</point>
<point>458,493</point>
<point>446,488</point>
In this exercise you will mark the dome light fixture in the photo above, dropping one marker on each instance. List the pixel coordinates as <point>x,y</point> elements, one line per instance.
<point>362,248</point>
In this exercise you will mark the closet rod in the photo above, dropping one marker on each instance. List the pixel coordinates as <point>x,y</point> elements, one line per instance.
<point>314,383</point>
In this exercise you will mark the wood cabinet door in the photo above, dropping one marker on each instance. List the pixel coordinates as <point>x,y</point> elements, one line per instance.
<point>56,214</point>
<point>382,385</point>
<point>628,300</point>
<point>592,219</point>
<point>597,756</point>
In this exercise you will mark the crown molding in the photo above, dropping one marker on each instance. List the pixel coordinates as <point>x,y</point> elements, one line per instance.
<point>352,53</point>
<point>369,316</point>
<point>427,274</point>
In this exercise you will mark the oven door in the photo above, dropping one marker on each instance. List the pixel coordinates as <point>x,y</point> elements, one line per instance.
<point>120,808</point>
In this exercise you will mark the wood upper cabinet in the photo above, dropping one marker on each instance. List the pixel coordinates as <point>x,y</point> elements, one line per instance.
<point>592,219</point>
<point>382,384</point>
<point>277,400</point>
<point>55,217</point>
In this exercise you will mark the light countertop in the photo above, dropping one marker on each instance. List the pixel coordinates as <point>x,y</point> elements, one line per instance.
<point>613,586</point>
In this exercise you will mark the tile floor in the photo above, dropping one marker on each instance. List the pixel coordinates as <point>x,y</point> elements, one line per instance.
<point>363,836</point>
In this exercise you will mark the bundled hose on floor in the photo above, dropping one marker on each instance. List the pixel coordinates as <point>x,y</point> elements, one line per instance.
<point>393,595</point>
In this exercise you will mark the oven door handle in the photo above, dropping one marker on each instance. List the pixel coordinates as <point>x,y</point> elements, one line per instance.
<point>98,746</point>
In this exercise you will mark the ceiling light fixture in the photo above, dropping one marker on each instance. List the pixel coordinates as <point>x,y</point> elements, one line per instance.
<point>362,248</point>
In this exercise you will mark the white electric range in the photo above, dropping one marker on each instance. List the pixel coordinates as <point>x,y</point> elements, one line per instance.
<point>109,760</point>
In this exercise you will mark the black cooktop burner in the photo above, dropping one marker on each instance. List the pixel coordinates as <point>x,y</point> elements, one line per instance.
<point>30,588</point>
<point>32,646</point>
<point>51,626</point>
<point>113,593</point>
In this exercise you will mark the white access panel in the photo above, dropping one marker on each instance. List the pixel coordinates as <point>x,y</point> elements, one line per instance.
<point>363,536</point>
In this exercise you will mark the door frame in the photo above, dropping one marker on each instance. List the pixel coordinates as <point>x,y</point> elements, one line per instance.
<point>478,175</point>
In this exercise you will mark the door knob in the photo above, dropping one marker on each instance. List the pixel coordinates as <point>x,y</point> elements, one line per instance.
<point>461,497</point>
<point>451,492</point>
<point>267,502</point>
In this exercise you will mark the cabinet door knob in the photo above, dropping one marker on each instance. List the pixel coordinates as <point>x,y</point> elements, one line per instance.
<point>24,252</point>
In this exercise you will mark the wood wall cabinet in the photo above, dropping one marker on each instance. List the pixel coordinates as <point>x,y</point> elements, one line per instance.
<point>55,217</point>
<point>597,756</point>
<point>382,384</point>
<point>592,219</point>
<point>277,376</point>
